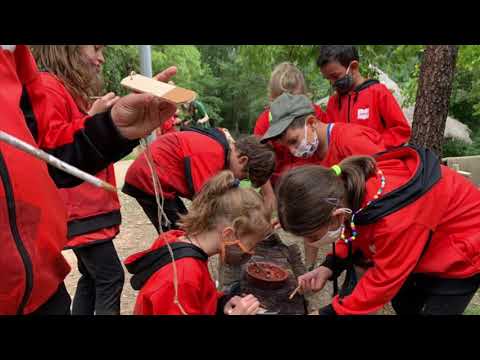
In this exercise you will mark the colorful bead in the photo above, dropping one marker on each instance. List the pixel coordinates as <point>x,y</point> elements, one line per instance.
<point>383,181</point>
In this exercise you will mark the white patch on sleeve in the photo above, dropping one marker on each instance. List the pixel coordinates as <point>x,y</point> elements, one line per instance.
<point>363,114</point>
<point>10,48</point>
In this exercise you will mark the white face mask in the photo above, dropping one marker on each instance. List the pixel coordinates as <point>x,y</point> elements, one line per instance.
<point>331,236</point>
<point>305,149</point>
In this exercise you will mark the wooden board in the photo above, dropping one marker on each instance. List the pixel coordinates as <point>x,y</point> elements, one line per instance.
<point>170,93</point>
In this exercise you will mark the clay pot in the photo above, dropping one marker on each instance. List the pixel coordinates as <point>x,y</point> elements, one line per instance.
<point>272,276</point>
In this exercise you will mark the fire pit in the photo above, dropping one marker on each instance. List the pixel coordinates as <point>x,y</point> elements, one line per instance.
<point>266,275</point>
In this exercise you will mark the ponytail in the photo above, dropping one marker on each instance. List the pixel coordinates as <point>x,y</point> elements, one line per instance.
<point>307,195</point>
<point>355,170</point>
<point>222,200</point>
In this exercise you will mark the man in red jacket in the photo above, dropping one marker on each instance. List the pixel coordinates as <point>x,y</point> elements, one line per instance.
<point>358,100</point>
<point>31,212</point>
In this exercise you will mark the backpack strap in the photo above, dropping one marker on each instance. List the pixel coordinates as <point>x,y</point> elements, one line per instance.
<point>144,268</point>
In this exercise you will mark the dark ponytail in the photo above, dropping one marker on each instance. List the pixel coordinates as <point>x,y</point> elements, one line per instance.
<point>355,172</point>
<point>307,195</point>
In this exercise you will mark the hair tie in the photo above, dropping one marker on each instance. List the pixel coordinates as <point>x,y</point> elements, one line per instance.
<point>336,169</point>
<point>235,184</point>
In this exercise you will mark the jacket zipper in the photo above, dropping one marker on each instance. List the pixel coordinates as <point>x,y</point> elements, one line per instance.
<point>12,217</point>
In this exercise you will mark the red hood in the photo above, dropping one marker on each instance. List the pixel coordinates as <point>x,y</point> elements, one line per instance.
<point>170,237</point>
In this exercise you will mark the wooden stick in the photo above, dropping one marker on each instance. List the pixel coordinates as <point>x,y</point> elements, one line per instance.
<point>95,97</point>
<point>294,292</point>
<point>52,160</point>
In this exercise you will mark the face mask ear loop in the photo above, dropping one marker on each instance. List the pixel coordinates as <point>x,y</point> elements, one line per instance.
<point>335,280</point>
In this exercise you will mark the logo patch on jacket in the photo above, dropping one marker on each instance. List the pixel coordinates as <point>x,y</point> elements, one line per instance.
<point>363,114</point>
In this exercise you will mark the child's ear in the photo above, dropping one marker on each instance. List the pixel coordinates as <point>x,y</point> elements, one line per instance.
<point>243,160</point>
<point>340,214</point>
<point>355,65</point>
<point>228,233</point>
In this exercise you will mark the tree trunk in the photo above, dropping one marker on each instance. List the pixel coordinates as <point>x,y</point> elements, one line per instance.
<point>433,96</point>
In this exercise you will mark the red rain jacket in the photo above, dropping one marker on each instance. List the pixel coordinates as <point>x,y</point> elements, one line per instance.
<point>93,213</point>
<point>371,104</point>
<point>32,214</point>
<point>184,161</point>
<point>448,213</point>
<point>196,290</point>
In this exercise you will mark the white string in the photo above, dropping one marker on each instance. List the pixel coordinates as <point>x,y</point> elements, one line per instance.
<point>157,186</point>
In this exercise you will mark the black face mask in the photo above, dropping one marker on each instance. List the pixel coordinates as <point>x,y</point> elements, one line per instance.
<point>344,84</point>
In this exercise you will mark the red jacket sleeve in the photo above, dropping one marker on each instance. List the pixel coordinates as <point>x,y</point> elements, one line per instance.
<point>397,130</point>
<point>361,140</point>
<point>397,254</point>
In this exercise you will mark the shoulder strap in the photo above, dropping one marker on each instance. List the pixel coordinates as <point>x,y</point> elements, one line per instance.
<point>215,134</point>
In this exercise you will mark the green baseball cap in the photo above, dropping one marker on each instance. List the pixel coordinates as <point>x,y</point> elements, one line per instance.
<point>284,110</point>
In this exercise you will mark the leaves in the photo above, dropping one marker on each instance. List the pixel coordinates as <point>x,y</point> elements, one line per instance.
<point>232,80</point>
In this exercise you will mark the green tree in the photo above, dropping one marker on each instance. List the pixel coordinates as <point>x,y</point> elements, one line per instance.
<point>120,61</point>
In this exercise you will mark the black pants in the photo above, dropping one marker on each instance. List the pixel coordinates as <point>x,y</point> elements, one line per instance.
<point>172,209</point>
<point>58,304</point>
<point>424,295</point>
<point>100,286</point>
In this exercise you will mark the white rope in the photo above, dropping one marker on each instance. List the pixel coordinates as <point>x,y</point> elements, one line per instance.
<point>157,186</point>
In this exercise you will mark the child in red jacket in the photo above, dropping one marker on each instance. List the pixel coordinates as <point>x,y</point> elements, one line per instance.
<point>185,160</point>
<point>286,77</point>
<point>71,76</point>
<point>34,218</point>
<point>414,218</point>
<point>297,129</point>
<point>223,219</point>
<point>358,100</point>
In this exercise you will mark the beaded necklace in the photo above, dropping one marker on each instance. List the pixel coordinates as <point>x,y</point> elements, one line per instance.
<point>352,222</point>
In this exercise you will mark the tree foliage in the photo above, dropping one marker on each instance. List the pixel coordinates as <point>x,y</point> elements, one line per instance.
<point>232,80</point>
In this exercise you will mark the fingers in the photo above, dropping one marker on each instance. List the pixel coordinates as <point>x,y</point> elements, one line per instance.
<point>248,305</point>
<point>108,96</point>
<point>253,308</point>
<point>166,74</point>
<point>112,102</point>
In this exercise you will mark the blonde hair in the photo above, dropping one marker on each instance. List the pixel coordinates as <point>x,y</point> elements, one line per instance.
<point>286,77</point>
<point>221,200</point>
<point>67,63</point>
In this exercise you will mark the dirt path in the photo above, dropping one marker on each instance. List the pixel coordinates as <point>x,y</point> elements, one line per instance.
<point>136,234</point>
